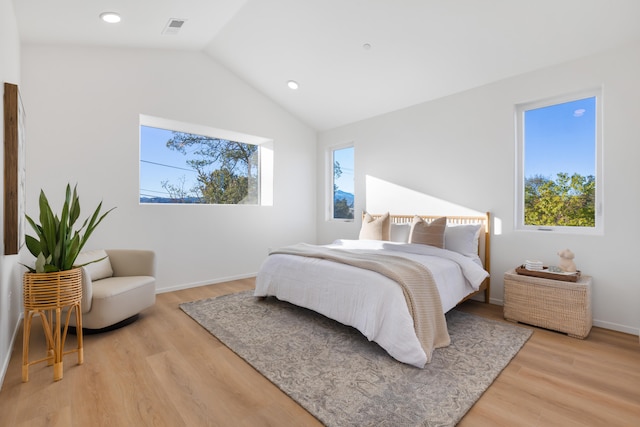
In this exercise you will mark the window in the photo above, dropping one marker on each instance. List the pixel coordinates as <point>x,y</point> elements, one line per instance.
<point>342,183</point>
<point>559,165</point>
<point>182,163</point>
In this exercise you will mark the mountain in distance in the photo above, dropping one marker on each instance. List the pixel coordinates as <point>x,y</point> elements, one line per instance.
<point>192,200</point>
<point>168,200</point>
<point>343,195</point>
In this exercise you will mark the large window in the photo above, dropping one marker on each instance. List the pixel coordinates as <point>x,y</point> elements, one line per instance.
<point>559,165</point>
<point>182,163</point>
<point>342,188</point>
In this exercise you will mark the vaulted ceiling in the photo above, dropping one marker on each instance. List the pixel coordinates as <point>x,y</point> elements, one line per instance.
<point>353,59</point>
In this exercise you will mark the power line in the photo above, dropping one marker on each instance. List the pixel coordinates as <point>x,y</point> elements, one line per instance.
<point>151,191</point>
<point>168,166</point>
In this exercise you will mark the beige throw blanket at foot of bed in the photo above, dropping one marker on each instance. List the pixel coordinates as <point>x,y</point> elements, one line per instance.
<point>416,281</point>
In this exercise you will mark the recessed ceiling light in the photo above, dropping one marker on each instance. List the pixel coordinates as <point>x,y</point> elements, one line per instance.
<point>366,46</point>
<point>293,84</point>
<point>110,17</point>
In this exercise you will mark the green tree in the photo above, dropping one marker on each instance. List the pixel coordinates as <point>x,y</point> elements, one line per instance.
<point>222,186</point>
<point>341,209</point>
<point>337,173</point>
<point>177,192</point>
<point>565,201</point>
<point>227,171</point>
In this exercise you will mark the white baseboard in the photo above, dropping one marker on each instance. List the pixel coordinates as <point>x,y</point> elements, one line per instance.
<point>599,323</point>
<point>616,327</point>
<point>7,359</point>
<point>204,283</point>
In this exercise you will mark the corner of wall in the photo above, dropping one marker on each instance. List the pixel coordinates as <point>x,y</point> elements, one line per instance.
<point>9,285</point>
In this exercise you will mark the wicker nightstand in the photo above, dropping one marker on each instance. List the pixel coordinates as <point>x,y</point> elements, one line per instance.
<point>551,304</point>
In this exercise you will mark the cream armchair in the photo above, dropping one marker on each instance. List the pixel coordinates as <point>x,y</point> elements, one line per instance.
<point>116,289</point>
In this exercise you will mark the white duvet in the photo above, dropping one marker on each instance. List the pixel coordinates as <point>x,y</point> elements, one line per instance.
<point>366,300</point>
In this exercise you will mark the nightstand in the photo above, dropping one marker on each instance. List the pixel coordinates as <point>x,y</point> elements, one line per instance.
<point>547,303</point>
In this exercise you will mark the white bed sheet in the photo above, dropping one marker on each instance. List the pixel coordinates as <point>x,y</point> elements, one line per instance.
<point>364,299</point>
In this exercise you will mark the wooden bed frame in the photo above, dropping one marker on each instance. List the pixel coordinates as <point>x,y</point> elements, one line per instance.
<point>484,242</point>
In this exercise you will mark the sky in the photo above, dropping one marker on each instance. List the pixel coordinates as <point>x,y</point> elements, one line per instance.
<point>158,163</point>
<point>561,138</point>
<point>345,158</point>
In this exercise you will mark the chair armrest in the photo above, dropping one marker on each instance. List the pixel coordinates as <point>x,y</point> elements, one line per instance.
<point>87,291</point>
<point>132,262</point>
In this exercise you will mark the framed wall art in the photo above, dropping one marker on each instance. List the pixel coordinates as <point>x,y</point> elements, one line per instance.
<point>14,170</point>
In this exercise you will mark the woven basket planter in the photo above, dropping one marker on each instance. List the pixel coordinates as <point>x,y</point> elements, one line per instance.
<point>45,291</point>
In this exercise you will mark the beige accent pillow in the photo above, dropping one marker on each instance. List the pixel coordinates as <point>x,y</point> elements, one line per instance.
<point>97,270</point>
<point>375,229</point>
<point>428,233</point>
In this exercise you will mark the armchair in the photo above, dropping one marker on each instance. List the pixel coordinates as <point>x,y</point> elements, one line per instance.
<point>116,289</point>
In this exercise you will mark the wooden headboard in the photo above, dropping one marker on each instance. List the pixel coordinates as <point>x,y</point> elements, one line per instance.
<point>484,242</point>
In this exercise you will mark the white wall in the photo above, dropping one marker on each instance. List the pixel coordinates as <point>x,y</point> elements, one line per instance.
<point>83,107</point>
<point>10,284</point>
<point>461,149</point>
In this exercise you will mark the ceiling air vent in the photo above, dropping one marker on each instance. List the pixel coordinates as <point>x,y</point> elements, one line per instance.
<point>173,26</point>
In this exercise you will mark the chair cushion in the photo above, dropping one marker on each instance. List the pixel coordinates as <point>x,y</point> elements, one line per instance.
<point>118,298</point>
<point>97,270</point>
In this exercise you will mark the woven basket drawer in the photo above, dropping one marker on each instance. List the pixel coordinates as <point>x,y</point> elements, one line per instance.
<point>551,304</point>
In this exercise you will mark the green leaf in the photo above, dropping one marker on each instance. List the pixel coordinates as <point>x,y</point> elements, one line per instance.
<point>72,253</point>
<point>48,224</point>
<point>74,210</point>
<point>50,268</point>
<point>93,224</point>
<point>40,263</point>
<point>33,245</point>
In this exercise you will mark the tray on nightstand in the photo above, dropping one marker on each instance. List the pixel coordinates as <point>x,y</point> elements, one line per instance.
<point>548,275</point>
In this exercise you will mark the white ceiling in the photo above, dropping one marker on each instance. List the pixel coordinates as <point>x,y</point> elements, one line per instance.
<point>420,49</point>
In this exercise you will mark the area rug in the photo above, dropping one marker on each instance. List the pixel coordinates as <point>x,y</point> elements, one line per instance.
<point>343,379</point>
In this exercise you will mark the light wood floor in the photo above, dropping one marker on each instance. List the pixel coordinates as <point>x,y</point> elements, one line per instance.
<point>165,370</point>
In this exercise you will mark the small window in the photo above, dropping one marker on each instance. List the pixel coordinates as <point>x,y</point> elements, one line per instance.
<point>181,163</point>
<point>342,188</point>
<point>559,165</point>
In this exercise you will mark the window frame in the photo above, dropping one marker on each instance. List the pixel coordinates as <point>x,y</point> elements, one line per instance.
<point>520,109</point>
<point>329,157</point>
<point>265,155</point>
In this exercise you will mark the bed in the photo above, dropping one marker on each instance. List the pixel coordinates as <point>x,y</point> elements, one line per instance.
<point>394,292</point>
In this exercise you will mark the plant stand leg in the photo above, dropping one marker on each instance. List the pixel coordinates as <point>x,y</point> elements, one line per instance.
<point>26,333</point>
<point>79,334</point>
<point>47,325</point>
<point>57,349</point>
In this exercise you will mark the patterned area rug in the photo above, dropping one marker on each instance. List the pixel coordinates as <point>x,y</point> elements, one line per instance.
<point>343,379</point>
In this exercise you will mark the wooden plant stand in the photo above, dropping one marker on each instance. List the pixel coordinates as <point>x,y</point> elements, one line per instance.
<point>54,297</point>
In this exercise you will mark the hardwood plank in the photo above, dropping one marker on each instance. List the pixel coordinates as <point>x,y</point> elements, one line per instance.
<point>166,370</point>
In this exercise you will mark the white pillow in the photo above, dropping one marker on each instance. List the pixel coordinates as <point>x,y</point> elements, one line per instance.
<point>400,232</point>
<point>97,270</point>
<point>462,239</point>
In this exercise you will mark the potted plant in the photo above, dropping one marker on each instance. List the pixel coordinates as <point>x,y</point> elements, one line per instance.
<point>57,244</point>
<point>55,284</point>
